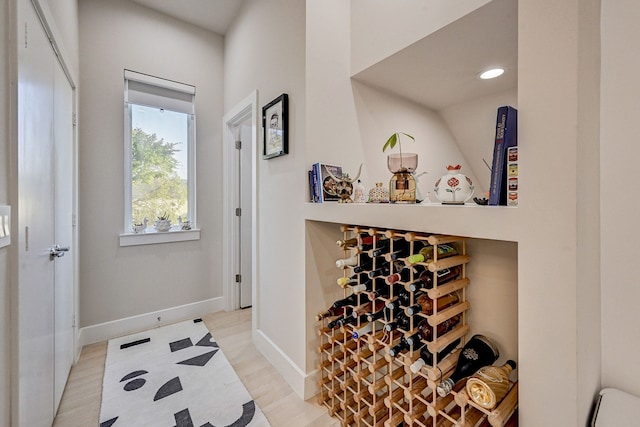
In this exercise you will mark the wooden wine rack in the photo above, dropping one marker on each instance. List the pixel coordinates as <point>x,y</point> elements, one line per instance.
<point>361,384</point>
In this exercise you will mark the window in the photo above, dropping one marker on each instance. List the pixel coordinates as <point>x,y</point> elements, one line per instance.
<point>159,154</point>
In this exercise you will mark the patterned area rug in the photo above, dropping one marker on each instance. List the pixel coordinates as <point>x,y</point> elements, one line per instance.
<point>174,376</point>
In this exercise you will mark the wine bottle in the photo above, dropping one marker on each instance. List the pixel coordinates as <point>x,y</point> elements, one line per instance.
<point>401,322</point>
<point>383,291</point>
<point>345,320</point>
<point>350,300</point>
<point>347,262</point>
<point>333,311</point>
<point>404,275</point>
<point>425,279</point>
<point>367,308</point>
<point>400,300</point>
<point>478,352</point>
<point>384,313</point>
<point>403,249</point>
<point>383,270</point>
<point>363,266</point>
<point>347,243</point>
<point>490,384</point>
<point>424,331</point>
<point>403,346</point>
<point>365,286</point>
<point>426,358</point>
<point>425,305</point>
<point>352,242</point>
<point>363,330</point>
<point>426,254</point>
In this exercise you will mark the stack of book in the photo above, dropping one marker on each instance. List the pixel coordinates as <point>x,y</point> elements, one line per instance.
<point>321,184</point>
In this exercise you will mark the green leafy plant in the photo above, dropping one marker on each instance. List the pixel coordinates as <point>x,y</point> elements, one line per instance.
<point>163,217</point>
<point>395,139</point>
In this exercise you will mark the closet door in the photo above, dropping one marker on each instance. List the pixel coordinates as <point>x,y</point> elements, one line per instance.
<point>36,224</point>
<point>45,208</point>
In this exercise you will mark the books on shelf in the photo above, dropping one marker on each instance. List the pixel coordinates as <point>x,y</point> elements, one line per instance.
<point>321,185</point>
<point>506,138</point>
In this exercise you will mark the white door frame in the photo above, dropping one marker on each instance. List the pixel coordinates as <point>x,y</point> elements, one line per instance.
<point>247,108</point>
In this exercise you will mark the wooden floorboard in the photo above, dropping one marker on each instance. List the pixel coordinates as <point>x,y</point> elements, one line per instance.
<point>80,405</point>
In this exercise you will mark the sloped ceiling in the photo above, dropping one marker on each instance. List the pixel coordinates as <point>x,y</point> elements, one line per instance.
<point>213,15</point>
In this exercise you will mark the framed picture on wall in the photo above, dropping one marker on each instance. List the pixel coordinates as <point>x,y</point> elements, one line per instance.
<point>275,127</point>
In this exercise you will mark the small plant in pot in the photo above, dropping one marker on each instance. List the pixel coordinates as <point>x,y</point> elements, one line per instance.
<point>402,186</point>
<point>163,223</point>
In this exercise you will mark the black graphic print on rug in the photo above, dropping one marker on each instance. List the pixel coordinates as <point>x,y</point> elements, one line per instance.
<point>168,377</point>
<point>183,418</point>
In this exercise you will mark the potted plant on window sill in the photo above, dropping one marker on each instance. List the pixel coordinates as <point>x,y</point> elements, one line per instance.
<point>163,223</point>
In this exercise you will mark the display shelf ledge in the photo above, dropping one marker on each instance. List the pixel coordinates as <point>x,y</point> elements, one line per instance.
<point>152,238</point>
<point>470,220</point>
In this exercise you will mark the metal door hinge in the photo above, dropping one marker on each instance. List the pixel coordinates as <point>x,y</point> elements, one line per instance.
<point>238,211</point>
<point>73,320</point>
<point>238,278</point>
<point>238,145</point>
<point>74,119</point>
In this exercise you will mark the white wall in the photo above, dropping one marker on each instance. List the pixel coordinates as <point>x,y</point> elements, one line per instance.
<point>264,50</point>
<point>619,154</point>
<point>119,282</point>
<point>5,337</point>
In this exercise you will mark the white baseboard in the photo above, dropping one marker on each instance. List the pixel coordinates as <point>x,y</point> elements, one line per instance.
<point>129,325</point>
<point>303,385</point>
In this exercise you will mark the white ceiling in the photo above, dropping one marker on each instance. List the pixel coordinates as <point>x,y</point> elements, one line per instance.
<point>213,15</point>
<point>447,61</point>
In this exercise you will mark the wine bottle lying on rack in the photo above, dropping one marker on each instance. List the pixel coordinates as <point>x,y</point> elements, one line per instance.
<point>425,305</point>
<point>368,308</point>
<point>404,275</point>
<point>426,281</point>
<point>383,291</point>
<point>401,300</point>
<point>334,311</point>
<point>478,352</point>
<point>424,331</point>
<point>346,320</point>
<point>400,322</point>
<point>404,346</point>
<point>426,254</point>
<point>365,241</point>
<point>404,250</point>
<point>490,384</point>
<point>426,357</point>
<point>352,261</point>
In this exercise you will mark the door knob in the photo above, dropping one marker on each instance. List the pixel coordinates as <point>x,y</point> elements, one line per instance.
<point>57,251</point>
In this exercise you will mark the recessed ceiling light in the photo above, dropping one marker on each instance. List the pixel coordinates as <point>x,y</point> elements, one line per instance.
<point>491,74</point>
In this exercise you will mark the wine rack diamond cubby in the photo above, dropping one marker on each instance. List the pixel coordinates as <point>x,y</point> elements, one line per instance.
<point>400,327</point>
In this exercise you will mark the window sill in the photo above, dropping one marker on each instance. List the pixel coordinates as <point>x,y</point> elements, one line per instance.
<point>154,237</point>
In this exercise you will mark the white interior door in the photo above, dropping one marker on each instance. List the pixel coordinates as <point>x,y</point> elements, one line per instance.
<point>36,225</point>
<point>45,192</point>
<point>244,235</point>
<point>64,231</point>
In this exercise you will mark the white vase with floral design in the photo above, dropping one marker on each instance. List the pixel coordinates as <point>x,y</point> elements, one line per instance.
<point>454,188</point>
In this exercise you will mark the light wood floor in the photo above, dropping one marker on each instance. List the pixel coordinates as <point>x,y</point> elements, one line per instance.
<point>80,405</point>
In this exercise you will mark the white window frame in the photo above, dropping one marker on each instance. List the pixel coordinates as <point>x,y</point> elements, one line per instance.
<point>168,87</point>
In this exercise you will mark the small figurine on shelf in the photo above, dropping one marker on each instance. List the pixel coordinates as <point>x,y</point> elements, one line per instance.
<point>359,192</point>
<point>141,227</point>
<point>344,185</point>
